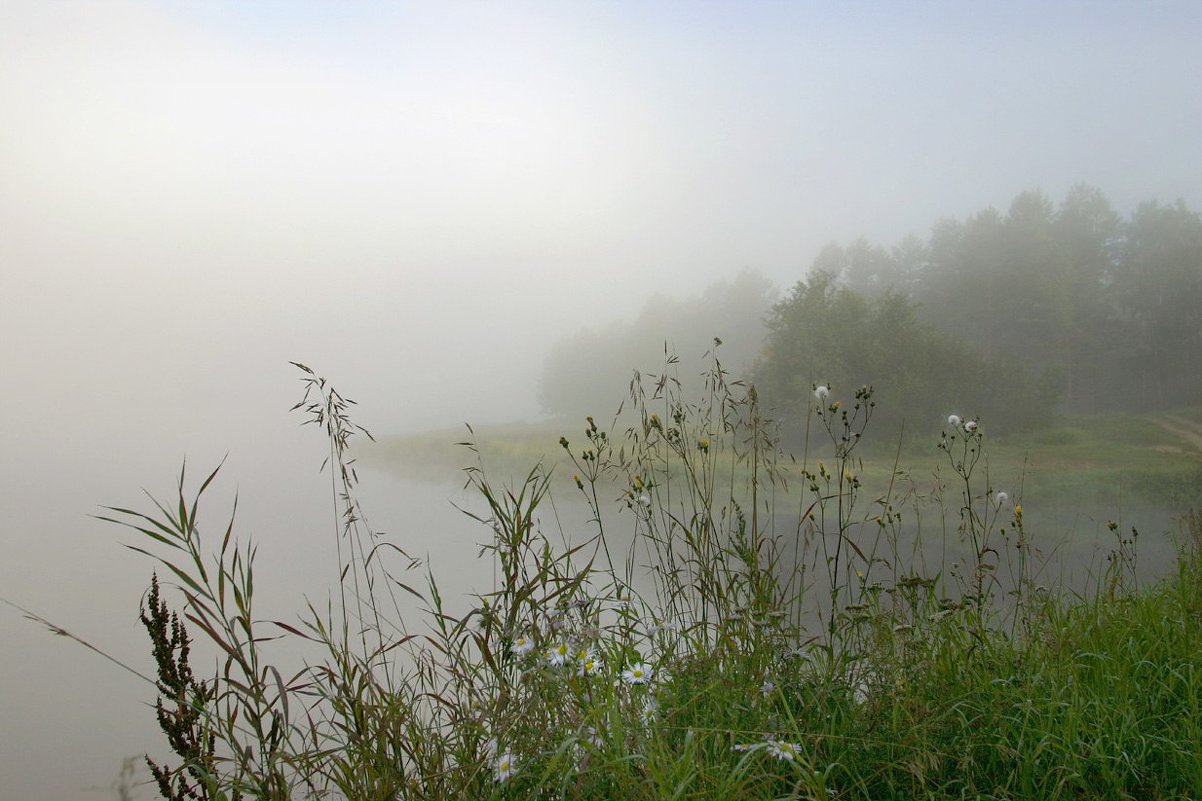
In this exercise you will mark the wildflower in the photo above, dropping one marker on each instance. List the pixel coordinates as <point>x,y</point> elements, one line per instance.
<point>637,673</point>
<point>505,766</point>
<point>592,737</point>
<point>787,752</point>
<point>623,599</point>
<point>704,444</point>
<point>644,500</point>
<point>767,688</point>
<point>557,654</point>
<point>970,426</point>
<point>660,628</point>
<point>821,392</point>
<point>521,645</point>
<point>587,663</point>
<point>953,420</point>
<point>1002,498</point>
<point>650,710</point>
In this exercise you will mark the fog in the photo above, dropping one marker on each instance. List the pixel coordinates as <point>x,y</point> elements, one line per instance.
<point>418,200</point>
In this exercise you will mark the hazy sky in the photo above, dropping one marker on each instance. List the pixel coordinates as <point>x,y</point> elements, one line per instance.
<point>416,199</point>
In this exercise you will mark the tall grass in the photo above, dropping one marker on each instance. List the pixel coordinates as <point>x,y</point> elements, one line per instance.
<point>716,635</point>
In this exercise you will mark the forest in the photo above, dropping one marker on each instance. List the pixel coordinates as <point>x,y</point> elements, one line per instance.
<point>1024,317</point>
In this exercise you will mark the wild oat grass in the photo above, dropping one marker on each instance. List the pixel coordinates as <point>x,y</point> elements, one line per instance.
<point>702,642</point>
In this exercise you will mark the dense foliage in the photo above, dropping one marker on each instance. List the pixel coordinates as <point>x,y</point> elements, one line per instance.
<point>1016,315</point>
<point>826,333</point>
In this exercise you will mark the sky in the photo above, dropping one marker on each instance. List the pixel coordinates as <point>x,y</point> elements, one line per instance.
<point>417,199</point>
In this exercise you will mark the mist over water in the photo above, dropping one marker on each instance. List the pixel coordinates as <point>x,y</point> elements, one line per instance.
<point>418,202</point>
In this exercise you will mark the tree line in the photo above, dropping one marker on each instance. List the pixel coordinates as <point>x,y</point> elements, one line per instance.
<point>1020,317</point>
<point>589,372</point>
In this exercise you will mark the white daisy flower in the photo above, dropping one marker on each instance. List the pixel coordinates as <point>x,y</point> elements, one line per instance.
<point>650,710</point>
<point>623,599</point>
<point>521,645</point>
<point>506,766</point>
<point>787,752</point>
<point>587,663</point>
<point>558,654</point>
<point>592,737</point>
<point>637,673</point>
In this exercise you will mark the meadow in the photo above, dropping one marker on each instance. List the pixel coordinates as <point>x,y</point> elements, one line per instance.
<point>699,641</point>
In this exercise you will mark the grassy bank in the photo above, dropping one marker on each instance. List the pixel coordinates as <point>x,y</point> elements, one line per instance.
<point>1107,460</point>
<point>686,649</point>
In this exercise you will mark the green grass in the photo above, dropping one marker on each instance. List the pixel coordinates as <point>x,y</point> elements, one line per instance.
<point>685,649</point>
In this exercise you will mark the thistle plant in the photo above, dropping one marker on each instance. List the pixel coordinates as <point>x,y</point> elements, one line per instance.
<point>963,443</point>
<point>844,427</point>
